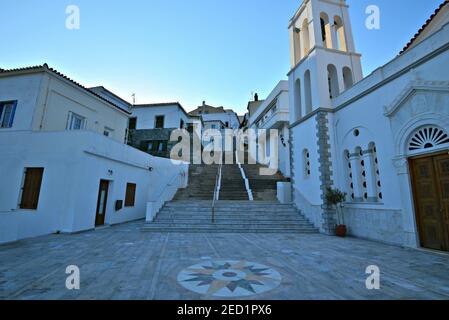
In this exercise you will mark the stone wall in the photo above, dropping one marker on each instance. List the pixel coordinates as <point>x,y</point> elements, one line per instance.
<point>137,138</point>
<point>383,225</point>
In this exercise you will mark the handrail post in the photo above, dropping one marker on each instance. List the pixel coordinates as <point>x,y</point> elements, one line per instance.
<point>217,187</point>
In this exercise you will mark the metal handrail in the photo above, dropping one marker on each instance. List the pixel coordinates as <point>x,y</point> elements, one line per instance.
<point>216,191</point>
<point>172,180</point>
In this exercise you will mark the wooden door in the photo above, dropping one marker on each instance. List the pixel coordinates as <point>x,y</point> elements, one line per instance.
<point>31,188</point>
<point>430,179</point>
<point>102,202</point>
<point>442,171</point>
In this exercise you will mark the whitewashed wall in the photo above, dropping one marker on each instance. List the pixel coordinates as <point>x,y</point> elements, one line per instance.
<point>44,101</point>
<point>74,163</point>
<point>146,116</point>
<point>227,116</point>
<point>27,90</point>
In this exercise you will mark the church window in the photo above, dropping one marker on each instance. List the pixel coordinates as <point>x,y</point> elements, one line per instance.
<point>348,173</point>
<point>325,30</point>
<point>298,106</point>
<point>363,173</point>
<point>308,92</point>
<point>427,138</point>
<point>333,81</point>
<point>306,163</point>
<point>306,37</point>
<point>339,32</point>
<point>376,171</point>
<point>347,78</point>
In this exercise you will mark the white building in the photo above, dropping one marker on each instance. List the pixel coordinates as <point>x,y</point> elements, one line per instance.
<point>273,114</point>
<point>151,127</point>
<point>65,167</point>
<point>228,117</point>
<point>160,116</point>
<point>382,139</point>
<point>213,124</point>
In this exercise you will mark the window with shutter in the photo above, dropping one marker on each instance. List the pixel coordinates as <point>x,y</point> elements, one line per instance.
<point>7,112</point>
<point>31,188</point>
<point>130,197</point>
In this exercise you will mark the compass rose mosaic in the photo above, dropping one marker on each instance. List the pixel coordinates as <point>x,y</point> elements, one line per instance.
<point>229,278</point>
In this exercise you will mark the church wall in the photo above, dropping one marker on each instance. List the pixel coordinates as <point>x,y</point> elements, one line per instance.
<point>392,218</point>
<point>306,187</point>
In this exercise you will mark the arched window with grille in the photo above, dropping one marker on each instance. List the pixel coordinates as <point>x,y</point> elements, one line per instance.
<point>427,138</point>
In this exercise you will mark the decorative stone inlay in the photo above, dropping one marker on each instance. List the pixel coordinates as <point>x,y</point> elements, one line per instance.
<point>325,169</point>
<point>229,278</point>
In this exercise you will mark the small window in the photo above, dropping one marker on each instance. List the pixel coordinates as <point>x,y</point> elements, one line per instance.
<point>76,122</point>
<point>31,188</point>
<point>306,163</point>
<point>107,131</point>
<point>156,146</point>
<point>7,111</point>
<point>150,146</point>
<point>227,124</point>
<point>130,197</point>
<point>214,126</point>
<point>159,122</point>
<point>181,124</point>
<point>132,124</point>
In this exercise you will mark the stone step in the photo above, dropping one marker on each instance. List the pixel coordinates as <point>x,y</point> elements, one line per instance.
<point>206,216</point>
<point>221,221</point>
<point>235,211</point>
<point>218,205</point>
<point>220,229</point>
<point>232,213</point>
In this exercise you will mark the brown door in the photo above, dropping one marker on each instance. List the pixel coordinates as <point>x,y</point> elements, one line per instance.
<point>442,170</point>
<point>430,177</point>
<point>31,188</point>
<point>102,202</point>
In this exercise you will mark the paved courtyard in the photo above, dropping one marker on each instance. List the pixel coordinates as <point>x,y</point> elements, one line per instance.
<point>121,262</point>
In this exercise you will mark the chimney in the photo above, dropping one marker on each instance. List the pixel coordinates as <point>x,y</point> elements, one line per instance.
<point>204,103</point>
<point>256,97</point>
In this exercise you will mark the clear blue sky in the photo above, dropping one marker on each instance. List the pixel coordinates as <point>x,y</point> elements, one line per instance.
<point>185,50</point>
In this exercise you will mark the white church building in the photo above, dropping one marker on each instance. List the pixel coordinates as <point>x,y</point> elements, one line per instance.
<point>382,139</point>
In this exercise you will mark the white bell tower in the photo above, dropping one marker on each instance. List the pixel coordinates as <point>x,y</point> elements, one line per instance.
<point>324,62</point>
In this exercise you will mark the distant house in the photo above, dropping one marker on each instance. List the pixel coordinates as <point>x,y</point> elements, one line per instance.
<point>210,113</point>
<point>151,126</point>
<point>253,105</point>
<point>273,114</point>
